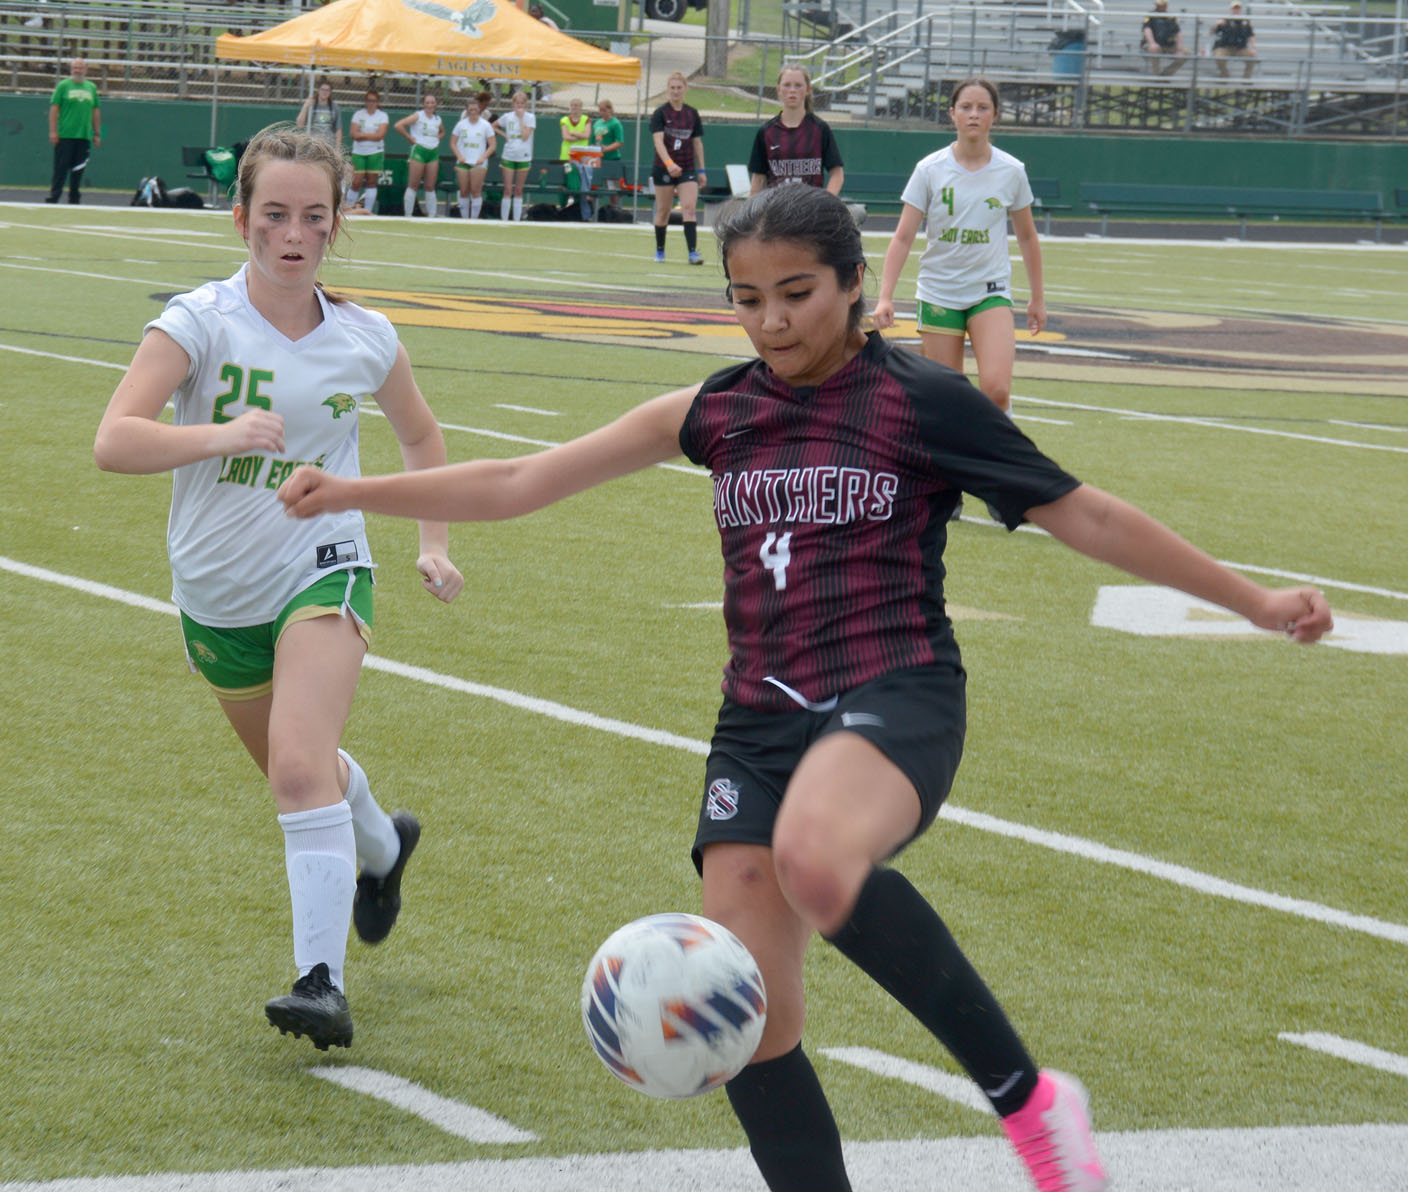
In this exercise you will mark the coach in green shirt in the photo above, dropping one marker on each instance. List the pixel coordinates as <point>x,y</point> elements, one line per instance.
<point>75,125</point>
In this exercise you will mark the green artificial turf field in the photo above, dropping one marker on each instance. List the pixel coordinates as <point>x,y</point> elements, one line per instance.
<point>1166,851</point>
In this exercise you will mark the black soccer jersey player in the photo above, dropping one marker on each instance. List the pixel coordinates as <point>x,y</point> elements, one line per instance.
<point>836,460</point>
<point>796,145</point>
<point>678,169</point>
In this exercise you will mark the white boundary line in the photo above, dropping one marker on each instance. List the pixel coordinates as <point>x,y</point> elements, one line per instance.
<point>1056,841</point>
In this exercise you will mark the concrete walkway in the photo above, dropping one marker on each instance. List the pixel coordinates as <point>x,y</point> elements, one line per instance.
<point>674,47</point>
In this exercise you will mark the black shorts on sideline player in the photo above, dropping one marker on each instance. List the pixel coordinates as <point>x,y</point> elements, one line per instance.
<point>915,717</point>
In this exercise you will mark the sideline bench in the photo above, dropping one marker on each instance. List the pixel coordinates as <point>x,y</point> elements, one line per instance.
<point>1239,202</point>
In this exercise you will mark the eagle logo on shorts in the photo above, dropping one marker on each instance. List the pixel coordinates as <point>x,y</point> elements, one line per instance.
<point>341,403</point>
<point>722,802</point>
<point>203,652</point>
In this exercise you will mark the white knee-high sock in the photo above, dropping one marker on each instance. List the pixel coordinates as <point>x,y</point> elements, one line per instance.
<point>464,206</point>
<point>378,846</point>
<point>475,207</point>
<point>369,198</point>
<point>410,201</point>
<point>432,204</point>
<point>320,854</point>
<point>518,207</point>
<point>505,207</point>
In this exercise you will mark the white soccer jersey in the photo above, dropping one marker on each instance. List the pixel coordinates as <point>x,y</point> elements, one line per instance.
<point>518,135</point>
<point>369,131</point>
<point>473,138</point>
<point>236,559</point>
<point>966,259</point>
<point>426,131</point>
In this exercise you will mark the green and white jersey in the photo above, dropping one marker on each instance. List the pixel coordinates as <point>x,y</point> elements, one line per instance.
<point>426,131</point>
<point>518,135</point>
<point>472,138</point>
<point>369,131</point>
<point>966,259</point>
<point>236,559</point>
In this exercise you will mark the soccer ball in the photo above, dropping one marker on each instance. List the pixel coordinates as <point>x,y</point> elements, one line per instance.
<point>674,1005</point>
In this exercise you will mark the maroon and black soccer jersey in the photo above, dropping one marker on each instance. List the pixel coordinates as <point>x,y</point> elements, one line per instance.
<point>680,129</point>
<point>807,153</point>
<point>832,505</point>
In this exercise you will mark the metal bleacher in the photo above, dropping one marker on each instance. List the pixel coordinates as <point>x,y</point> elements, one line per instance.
<point>1317,68</point>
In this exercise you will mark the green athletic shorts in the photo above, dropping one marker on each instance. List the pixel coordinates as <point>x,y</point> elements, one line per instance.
<point>515,165</point>
<point>954,322</point>
<point>368,163</point>
<point>239,663</point>
<point>421,154</point>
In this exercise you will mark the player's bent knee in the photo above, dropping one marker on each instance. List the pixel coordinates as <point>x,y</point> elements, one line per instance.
<point>817,889</point>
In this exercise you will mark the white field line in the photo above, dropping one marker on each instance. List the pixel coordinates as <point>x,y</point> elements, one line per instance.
<point>1369,1158</point>
<point>1059,842</point>
<point>503,405</point>
<point>454,1117</point>
<point>1355,1053</point>
<point>1210,423</point>
<point>958,1089</point>
<point>1178,875</point>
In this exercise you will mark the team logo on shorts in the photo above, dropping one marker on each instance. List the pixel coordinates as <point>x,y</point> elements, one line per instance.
<point>203,652</point>
<point>722,801</point>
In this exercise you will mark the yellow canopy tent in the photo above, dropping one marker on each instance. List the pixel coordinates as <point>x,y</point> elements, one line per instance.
<point>481,39</point>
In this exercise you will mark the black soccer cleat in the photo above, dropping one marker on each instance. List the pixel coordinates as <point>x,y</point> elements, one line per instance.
<point>378,899</point>
<point>315,1008</point>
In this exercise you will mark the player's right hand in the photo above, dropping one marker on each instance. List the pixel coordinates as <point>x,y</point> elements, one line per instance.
<point>254,430</point>
<point>884,314</point>
<point>311,491</point>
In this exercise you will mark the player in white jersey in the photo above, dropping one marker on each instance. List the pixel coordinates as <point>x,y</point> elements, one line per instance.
<point>368,125</point>
<point>472,141</point>
<point>966,192</point>
<point>266,371</point>
<point>516,127</point>
<point>423,129</point>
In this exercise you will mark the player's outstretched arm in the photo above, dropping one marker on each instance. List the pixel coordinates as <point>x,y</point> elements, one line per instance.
<point>1115,532</point>
<point>494,489</point>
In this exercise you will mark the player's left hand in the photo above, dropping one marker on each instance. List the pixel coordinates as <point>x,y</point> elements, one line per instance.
<point>1036,316</point>
<point>1302,614</point>
<point>438,576</point>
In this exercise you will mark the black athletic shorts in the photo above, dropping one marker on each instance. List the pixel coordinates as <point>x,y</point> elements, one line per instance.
<point>915,717</point>
<point>661,176</point>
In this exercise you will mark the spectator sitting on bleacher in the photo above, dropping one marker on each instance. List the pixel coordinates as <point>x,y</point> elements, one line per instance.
<point>1233,38</point>
<point>1162,41</point>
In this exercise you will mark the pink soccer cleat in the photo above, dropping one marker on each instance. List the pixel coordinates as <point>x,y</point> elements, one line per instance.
<point>1052,1135</point>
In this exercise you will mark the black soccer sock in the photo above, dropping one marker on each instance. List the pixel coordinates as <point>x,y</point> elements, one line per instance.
<point>660,237</point>
<point>691,236</point>
<point>899,941</point>
<point>791,1133</point>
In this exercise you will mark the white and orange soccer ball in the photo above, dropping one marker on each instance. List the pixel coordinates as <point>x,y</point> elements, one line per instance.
<point>674,1005</point>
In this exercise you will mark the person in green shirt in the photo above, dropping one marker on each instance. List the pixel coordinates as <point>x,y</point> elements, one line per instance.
<point>608,133</point>
<point>75,125</point>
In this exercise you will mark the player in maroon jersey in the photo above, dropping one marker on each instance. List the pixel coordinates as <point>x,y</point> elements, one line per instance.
<point>678,135</point>
<point>796,145</point>
<point>836,461</point>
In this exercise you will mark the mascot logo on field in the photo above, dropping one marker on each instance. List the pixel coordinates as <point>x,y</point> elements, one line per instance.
<point>466,21</point>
